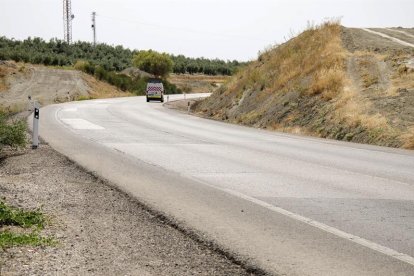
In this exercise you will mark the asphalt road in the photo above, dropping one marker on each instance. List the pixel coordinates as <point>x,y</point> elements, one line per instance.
<point>291,205</point>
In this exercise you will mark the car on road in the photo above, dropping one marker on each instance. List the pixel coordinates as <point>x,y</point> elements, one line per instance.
<point>155,90</point>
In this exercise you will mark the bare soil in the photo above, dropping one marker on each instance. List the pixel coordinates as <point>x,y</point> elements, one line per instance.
<point>401,34</point>
<point>197,83</point>
<point>355,39</point>
<point>44,84</point>
<point>47,85</point>
<point>100,230</point>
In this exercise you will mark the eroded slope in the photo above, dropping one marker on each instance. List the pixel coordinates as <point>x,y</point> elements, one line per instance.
<point>329,81</point>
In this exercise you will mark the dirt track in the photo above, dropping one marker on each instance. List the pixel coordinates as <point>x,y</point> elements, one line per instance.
<point>360,40</point>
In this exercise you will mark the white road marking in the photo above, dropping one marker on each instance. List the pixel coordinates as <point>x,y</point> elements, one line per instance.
<point>70,109</point>
<point>361,241</point>
<point>404,43</point>
<point>81,124</point>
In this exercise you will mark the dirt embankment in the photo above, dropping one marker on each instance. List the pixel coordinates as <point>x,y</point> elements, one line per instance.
<point>47,85</point>
<point>99,230</point>
<point>330,81</point>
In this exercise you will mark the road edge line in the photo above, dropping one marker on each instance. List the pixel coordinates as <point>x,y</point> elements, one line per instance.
<point>339,233</point>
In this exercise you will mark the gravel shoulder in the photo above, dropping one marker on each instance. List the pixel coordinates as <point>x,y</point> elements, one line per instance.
<point>100,230</point>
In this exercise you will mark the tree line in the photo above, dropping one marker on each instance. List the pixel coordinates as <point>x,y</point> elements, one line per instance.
<point>111,58</point>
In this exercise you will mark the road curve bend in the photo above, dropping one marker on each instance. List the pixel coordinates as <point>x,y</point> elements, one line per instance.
<point>288,204</point>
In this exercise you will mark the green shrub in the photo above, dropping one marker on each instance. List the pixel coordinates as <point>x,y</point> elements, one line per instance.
<point>158,64</point>
<point>12,134</point>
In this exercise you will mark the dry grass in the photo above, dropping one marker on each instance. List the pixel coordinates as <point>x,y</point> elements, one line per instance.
<point>100,90</point>
<point>197,83</point>
<point>306,86</point>
<point>402,80</point>
<point>352,108</point>
<point>312,63</point>
<point>408,139</point>
<point>4,72</point>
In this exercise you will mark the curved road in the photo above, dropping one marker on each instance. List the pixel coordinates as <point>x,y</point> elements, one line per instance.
<point>288,204</point>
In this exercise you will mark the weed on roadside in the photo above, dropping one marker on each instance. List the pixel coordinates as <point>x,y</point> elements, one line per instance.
<point>10,239</point>
<point>10,216</point>
<point>15,217</point>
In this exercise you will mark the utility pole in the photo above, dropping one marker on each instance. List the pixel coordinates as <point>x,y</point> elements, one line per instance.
<point>94,27</point>
<point>67,20</point>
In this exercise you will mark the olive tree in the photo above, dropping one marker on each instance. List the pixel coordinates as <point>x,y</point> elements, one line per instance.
<point>158,64</point>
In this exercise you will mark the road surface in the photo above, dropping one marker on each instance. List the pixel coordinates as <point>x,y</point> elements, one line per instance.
<point>288,204</point>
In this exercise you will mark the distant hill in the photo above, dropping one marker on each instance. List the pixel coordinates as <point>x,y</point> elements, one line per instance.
<point>111,58</point>
<point>329,81</point>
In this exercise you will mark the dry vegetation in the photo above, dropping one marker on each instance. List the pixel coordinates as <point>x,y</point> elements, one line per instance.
<point>315,85</point>
<point>197,83</point>
<point>101,90</point>
<point>5,71</point>
<point>3,85</point>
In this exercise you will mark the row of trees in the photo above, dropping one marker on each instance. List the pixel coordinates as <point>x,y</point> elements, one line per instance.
<point>184,65</point>
<point>124,82</point>
<point>111,58</point>
<point>58,52</point>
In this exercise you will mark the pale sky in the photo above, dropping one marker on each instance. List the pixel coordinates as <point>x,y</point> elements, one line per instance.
<point>226,29</point>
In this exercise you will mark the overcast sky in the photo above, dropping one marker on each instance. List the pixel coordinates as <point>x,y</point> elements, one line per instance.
<point>226,29</point>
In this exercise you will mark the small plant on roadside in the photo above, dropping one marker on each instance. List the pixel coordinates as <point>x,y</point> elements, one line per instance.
<point>15,217</point>
<point>10,216</point>
<point>12,134</point>
<point>10,239</point>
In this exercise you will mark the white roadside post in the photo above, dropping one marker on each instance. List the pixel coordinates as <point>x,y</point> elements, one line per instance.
<point>168,98</point>
<point>35,135</point>
<point>188,107</point>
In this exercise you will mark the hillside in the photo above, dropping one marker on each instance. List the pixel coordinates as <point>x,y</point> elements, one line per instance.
<point>329,81</point>
<point>47,85</point>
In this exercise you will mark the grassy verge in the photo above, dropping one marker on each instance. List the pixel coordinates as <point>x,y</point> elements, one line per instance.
<point>21,219</point>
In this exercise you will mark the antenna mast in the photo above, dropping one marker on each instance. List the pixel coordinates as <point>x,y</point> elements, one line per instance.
<point>67,20</point>
<point>94,27</point>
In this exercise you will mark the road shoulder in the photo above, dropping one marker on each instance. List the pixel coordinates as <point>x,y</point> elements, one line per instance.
<point>100,230</point>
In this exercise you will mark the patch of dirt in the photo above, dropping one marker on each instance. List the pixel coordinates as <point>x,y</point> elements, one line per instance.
<point>48,85</point>
<point>102,90</point>
<point>397,33</point>
<point>100,230</point>
<point>197,83</point>
<point>135,72</point>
